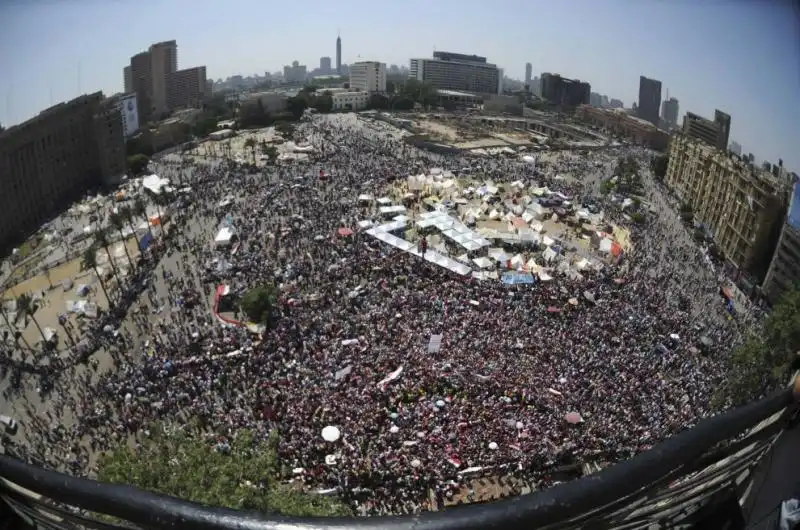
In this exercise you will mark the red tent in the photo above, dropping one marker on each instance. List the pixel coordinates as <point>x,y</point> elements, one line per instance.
<point>345,232</point>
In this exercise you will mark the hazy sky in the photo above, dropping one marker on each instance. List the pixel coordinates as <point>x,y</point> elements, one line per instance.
<point>741,56</point>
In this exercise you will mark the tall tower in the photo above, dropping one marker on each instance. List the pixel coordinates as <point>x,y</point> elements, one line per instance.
<point>528,74</point>
<point>339,54</point>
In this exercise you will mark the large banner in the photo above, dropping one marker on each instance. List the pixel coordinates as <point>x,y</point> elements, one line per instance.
<point>130,115</point>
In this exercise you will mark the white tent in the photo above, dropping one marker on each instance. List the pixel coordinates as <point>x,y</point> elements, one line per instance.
<point>224,236</point>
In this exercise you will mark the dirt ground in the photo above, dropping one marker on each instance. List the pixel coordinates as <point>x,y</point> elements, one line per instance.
<point>54,296</point>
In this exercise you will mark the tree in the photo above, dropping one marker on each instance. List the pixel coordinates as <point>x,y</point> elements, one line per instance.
<point>102,240</point>
<point>89,261</point>
<point>250,143</point>
<point>26,307</point>
<point>127,214</point>
<point>378,102</point>
<point>285,128</point>
<point>118,222</point>
<point>205,126</point>
<point>245,475</point>
<point>137,164</point>
<point>13,329</point>
<point>322,102</point>
<point>297,105</point>
<point>259,304</point>
<point>766,361</point>
<point>139,208</point>
<point>659,166</point>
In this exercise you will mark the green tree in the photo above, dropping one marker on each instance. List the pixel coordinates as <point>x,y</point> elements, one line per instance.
<point>322,102</point>
<point>378,102</point>
<point>766,361</point>
<point>244,477</point>
<point>102,240</point>
<point>250,143</point>
<point>118,222</point>
<point>137,164</point>
<point>285,128</point>
<point>297,105</point>
<point>658,165</point>
<point>127,214</point>
<point>89,261</point>
<point>138,146</point>
<point>27,308</point>
<point>204,126</point>
<point>140,208</point>
<point>259,304</point>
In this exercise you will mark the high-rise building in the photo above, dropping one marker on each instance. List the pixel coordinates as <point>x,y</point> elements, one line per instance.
<point>735,148</point>
<point>142,85</point>
<point>741,206</point>
<point>187,88</point>
<point>325,65</point>
<point>616,104</point>
<point>163,62</point>
<point>296,73</point>
<point>339,54</point>
<point>456,71</point>
<point>784,269</point>
<point>368,76</point>
<point>649,99</point>
<point>595,99</point>
<point>52,159</point>
<point>669,111</point>
<point>565,92</point>
<point>127,79</point>
<point>723,121</point>
<point>715,133</point>
<point>528,74</point>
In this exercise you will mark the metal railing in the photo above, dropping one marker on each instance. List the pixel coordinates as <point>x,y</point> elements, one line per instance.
<point>673,483</point>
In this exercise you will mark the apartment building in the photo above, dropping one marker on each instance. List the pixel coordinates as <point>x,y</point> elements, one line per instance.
<point>715,133</point>
<point>740,206</point>
<point>127,79</point>
<point>296,73</point>
<point>565,92</point>
<point>187,88</point>
<point>55,157</point>
<point>649,99</point>
<point>128,108</point>
<point>368,76</point>
<point>456,71</point>
<point>617,122</point>
<point>784,270</point>
<point>163,61</point>
<point>142,85</point>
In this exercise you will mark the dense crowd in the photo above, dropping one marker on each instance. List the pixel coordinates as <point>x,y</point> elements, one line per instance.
<point>350,348</point>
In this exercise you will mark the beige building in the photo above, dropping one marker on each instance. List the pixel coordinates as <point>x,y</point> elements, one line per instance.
<point>368,76</point>
<point>54,158</point>
<point>127,79</point>
<point>784,270</point>
<point>186,89</point>
<point>142,85</point>
<point>163,61</point>
<point>739,205</point>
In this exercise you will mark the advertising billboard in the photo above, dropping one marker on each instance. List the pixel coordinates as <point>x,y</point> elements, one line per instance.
<point>130,115</point>
<point>794,208</point>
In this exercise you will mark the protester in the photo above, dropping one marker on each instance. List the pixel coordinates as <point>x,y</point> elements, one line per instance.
<point>495,396</point>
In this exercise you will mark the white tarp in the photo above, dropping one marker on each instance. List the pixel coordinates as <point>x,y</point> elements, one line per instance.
<point>154,183</point>
<point>224,236</point>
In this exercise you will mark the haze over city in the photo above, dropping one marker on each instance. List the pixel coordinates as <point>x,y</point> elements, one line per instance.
<point>741,58</point>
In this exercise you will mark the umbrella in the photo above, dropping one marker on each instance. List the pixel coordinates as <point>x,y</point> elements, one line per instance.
<point>553,309</point>
<point>573,418</point>
<point>394,429</point>
<point>330,460</point>
<point>440,403</point>
<point>493,446</point>
<point>416,463</point>
<point>345,232</point>
<point>519,425</point>
<point>331,433</point>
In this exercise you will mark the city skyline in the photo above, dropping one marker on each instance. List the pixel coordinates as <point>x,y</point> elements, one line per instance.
<point>84,50</point>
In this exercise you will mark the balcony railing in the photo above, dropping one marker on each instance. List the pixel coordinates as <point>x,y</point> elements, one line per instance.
<point>680,481</point>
